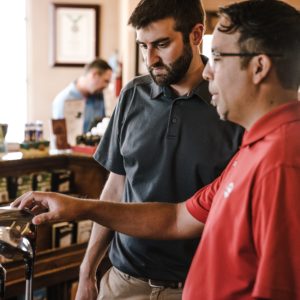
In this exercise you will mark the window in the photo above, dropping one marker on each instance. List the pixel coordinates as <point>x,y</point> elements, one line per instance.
<point>206,45</point>
<point>13,73</point>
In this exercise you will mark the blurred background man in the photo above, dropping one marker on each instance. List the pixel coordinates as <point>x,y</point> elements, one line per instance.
<point>86,93</point>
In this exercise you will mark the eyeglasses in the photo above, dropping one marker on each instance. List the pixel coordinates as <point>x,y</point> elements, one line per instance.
<point>215,55</point>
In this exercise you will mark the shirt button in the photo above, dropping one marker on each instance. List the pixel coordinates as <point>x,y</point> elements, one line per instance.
<point>174,120</point>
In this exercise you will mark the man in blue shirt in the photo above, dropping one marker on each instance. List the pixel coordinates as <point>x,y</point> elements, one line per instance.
<point>88,87</point>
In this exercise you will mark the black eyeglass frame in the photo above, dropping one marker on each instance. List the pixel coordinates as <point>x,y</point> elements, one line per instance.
<point>216,54</point>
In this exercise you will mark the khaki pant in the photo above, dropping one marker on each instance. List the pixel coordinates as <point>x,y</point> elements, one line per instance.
<point>116,285</point>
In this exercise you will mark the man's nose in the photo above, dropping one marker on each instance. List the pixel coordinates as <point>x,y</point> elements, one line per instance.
<point>207,73</point>
<point>151,57</point>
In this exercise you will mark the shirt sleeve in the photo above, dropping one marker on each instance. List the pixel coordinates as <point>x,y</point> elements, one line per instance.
<point>108,153</point>
<point>276,233</point>
<point>200,203</point>
<point>58,107</point>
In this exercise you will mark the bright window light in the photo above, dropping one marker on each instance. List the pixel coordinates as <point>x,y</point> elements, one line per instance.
<point>13,74</point>
<point>206,45</point>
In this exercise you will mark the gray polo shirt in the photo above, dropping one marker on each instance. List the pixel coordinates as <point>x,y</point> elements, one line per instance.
<point>168,147</point>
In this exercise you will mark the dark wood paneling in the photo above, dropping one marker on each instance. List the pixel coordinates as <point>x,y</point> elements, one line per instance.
<point>54,268</point>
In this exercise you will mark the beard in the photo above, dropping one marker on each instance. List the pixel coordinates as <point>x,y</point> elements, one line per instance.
<point>176,70</point>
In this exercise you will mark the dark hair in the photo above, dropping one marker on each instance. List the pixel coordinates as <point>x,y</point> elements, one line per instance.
<point>186,13</point>
<point>100,64</point>
<point>268,26</point>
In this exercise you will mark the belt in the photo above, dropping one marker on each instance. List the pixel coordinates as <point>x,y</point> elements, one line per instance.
<point>163,283</point>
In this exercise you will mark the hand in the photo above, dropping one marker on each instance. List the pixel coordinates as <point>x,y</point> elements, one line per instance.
<point>87,288</point>
<point>48,206</point>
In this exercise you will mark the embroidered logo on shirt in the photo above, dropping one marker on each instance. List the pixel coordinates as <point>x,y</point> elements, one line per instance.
<point>228,189</point>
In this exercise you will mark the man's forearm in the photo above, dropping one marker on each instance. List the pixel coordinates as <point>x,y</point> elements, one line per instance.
<point>143,220</point>
<point>101,236</point>
<point>99,241</point>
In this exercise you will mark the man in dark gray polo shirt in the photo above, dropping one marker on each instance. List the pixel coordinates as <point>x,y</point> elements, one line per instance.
<point>164,142</point>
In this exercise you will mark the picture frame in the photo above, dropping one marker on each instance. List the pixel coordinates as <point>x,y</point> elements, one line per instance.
<point>75,34</point>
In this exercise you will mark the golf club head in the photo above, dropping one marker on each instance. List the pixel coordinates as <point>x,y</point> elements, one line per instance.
<point>17,233</point>
<point>9,215</point>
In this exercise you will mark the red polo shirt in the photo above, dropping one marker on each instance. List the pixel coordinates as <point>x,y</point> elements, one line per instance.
<point>250,247</point>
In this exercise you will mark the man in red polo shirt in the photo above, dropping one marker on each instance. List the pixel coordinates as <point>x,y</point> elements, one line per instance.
<point>251,243</point>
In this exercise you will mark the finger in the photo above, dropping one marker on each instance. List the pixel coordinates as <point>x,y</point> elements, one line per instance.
<point>29,203</point>
<point>44,218</point>
<point>32,199</point>
<point>26,200</point>
<point>37,209</point>
<point>18,201</point>
<point>15,203</point>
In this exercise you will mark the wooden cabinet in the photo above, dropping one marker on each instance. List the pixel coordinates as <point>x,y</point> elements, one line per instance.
<point>54,268</point>
<point>89,176</point>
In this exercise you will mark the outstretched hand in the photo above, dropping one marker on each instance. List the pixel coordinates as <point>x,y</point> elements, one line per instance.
<point>49,206</point>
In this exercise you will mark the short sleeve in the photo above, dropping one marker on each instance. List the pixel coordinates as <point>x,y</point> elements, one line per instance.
<point>108,153</point>
<point>200,203</point>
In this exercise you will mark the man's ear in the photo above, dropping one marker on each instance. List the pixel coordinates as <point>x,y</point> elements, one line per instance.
<point>94,73</point>
<point>197,34</point>
<point>261,67</point>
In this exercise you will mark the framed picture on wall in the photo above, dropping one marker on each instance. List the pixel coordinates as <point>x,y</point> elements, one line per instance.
<point>75,34</point>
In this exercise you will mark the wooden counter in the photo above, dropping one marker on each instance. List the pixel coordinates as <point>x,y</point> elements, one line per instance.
<point>54,268</point>
<point>89,175</point>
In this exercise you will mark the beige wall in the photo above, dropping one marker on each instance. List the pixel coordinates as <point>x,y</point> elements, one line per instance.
<point>127,39</point>
<point>45,81</point>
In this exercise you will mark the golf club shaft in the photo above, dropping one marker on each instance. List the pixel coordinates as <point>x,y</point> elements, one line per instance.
<point>29,262</point>
<point>28,293</point>
<point>2,281</point>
